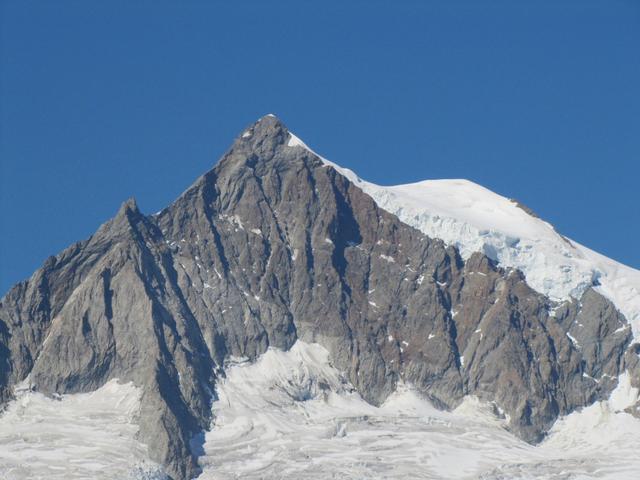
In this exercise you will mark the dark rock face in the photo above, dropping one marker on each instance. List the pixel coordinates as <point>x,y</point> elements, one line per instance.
<point>272,246</point>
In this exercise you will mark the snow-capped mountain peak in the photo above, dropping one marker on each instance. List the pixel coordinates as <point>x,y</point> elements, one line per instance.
<point>273,247</point>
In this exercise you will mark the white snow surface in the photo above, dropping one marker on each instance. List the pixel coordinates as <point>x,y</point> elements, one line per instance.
<point>475,219</point>
<point>292,415</point>
<point>78,436</point>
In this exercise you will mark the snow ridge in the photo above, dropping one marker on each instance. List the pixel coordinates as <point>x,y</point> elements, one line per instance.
<point>475,219</point>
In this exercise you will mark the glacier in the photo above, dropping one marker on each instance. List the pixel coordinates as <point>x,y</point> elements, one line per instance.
<point>74,436</point>
<point>292,415</point>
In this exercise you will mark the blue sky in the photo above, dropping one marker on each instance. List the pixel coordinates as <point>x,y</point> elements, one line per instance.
<point>100,101</point>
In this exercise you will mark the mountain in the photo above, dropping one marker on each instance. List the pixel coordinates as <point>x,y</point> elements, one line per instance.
<point>276,248</point>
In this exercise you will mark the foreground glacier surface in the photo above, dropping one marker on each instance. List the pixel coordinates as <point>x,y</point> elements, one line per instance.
<point>80,436</point>
<point>292,415</point>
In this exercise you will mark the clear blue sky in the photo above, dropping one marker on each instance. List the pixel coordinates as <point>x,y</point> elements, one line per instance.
<point>99,101</point>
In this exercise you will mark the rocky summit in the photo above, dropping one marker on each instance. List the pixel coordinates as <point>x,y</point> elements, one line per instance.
<point>275,245</point>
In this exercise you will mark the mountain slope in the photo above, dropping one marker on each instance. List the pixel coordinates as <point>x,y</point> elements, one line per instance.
<point>475,219</point>
<point>272,246</point>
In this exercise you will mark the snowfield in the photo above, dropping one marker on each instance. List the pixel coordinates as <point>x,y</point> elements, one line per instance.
<point>291,415</point>
<point>81,436</point>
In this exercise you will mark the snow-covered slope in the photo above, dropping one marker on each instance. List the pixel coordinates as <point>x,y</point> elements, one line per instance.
<point>292,415</point>
<point>80,436</point>
<point>475,219</point>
